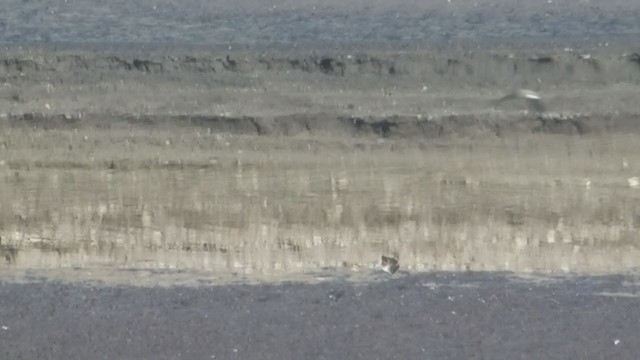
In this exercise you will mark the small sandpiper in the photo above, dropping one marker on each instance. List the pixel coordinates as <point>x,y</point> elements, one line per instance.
<point>389,265</point>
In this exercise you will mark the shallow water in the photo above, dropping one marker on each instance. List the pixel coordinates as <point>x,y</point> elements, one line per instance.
<point>298,23</point>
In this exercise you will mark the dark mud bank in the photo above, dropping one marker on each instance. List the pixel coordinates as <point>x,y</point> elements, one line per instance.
<point>347,126</point>
<point>486,68</point>
<point>421,94</point>
<point>338,65</point>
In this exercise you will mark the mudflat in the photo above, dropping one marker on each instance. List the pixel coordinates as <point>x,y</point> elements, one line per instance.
<point>261,165</point>
<point>224,182</point>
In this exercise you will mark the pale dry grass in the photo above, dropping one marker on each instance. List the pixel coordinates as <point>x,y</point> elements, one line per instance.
<point>179,197</point>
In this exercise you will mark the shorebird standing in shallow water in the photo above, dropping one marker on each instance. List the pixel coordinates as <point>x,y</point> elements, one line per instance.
<point>389,265</point>
<point>533,99</point>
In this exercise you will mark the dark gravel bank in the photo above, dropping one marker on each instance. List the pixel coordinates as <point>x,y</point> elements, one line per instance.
<point>432,316</point>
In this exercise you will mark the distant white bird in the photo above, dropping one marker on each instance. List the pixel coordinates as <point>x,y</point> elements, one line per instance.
<point>625,163</point>
<point>634,182</point>
<point>533,99</point>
